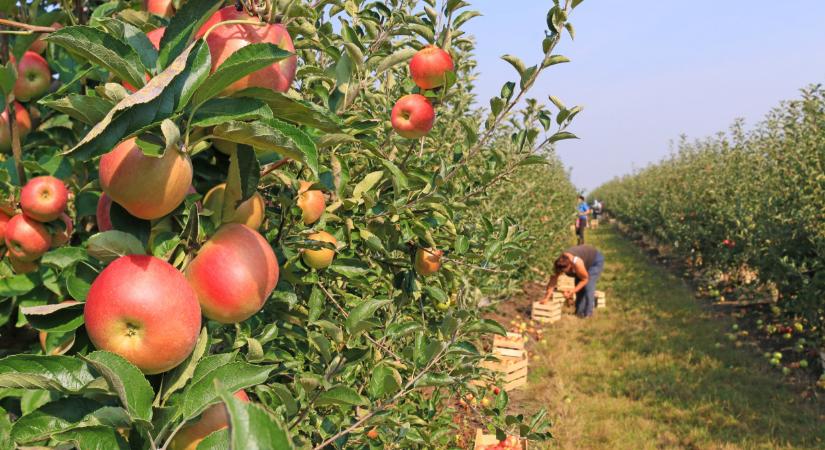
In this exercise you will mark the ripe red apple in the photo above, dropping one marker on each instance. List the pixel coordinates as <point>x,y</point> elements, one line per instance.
<point>155,36</point>
<point>147,187</point>
<point>33,77</point>
<point>311,202</point>
<point>427,261</point>
<point>102,213</point>
<point>429,67</point>
<point>61,238</point>
<point>21,119</point>
<point>22,267</point>
<point>321,258</point>
<point>26,238</point>
<point>233,273</point>
<point>214,418</point>
<point>373,434</point>
<point>4,220</point>
<point>44,198</point>
<point>249,213</point>
<point>162,8</point>
<point>143,309</point>
<point>227,39</point>
<point>413,116</point>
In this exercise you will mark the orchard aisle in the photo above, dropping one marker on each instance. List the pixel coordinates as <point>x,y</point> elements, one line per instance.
<point>648,372</point>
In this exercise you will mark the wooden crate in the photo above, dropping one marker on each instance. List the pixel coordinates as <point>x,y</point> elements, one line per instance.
<point>549,312</point>
<point>512,345</point>
<point>511,369</point>
<point>601,299</point>
<point>565,282</point>
<point>594,223</point>
<point>484,440</point>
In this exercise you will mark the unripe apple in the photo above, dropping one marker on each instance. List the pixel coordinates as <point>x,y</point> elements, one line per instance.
<point>214,418</point>
<point>429,67</point>
<point>321,258</point>
<point>233,273</point>
<point>413,116</point>
<point>162,8</point>
<point>143,309</point>
<point>311,202</point>
<point>225,40</point>
<point>44,198</point>
<point>147,187</point>
<point>21,119</point>
<point>22,267</point>
<point>249,213</point>
<point>33,77</point>
<point>26,238</point>
<point>102,213</point>
<point>427,261</point>
<point>62,237</point>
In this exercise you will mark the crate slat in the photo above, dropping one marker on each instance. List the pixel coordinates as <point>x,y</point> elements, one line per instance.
<point>546,312</point>
<point>601,299</point>
<point>514,341</point>
<point>484,440</point>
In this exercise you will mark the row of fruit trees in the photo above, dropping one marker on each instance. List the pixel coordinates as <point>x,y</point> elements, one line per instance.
<point>746,209</point>
<point>277,215</point>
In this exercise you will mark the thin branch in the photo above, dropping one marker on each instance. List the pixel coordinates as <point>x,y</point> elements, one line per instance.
<point>25,26</point>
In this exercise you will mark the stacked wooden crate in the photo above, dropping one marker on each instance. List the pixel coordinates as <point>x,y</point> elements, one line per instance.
<point>601,299</point>
<point>486,441</point>
<point>512,360</point>
<point>549,312</point>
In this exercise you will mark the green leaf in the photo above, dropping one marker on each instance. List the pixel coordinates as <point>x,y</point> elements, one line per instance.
<point>55,318</point>
<point>18,285</point>
<point>487,326</point>
<point>220,110</point>
<point>55,373</point>
<point>295,110</point>
<point>134,37</point>
<point>349,267</point>
<point>180,375</point>
<point>93,438</point>
<point>556,59</point>
<point>515,62</point>
<point>112,244</point>
<point>462,244</point>
<point>385,381</point>
<point>218,440</point>
<point>252,427</point>
<point>365,185</point>
<point>182,28</point>
<point>533,159</point>
<point>242,180</point>
<point>394,59</point>
<point>85,108</point>
<point>241,63</point>
<point>234,376</point>
<point>127,381</point>
<point>341,395</point>
<point>63,257</point>
<point>356,321</point>
<point>272,135</point>
<point>436,293</point>
<point>93,45</point>
<point>435,379</point>
<point>561,135</point>
<point>8,76</point>
<point>65,415</point>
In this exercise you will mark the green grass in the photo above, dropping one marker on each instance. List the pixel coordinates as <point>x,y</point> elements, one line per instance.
<point>647,373</point>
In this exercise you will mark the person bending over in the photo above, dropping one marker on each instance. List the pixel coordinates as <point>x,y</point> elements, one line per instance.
<point>585,264</point>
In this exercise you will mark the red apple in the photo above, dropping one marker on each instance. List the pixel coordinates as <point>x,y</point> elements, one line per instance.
<point>413,116</point>
<point>63,236</point>
<point>22,267</point>
<point>373,433</point>
<point>26,238</point>
<point>155,36</point>
<point>162,8</point>
<point>143,309</point>
<point>21,119</point>
<point>427,261</point>
<point>102,213</point>
<point>321,258</point>
<point>33,77</point>
<point>233,273</point>
<point>4,220</point>
<point>225,40</point>
<point>39,45</point>
<point>214,418</point>
<point>147,187</point>
<point>429,67</point>
<point>44,198</point>
<point>249,213</point>
<point>311,202</point>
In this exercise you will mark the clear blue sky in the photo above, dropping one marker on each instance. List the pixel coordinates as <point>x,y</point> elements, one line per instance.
<point>647,71</point>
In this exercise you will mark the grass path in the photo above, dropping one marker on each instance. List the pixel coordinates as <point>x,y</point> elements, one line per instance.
<point>648,372</point>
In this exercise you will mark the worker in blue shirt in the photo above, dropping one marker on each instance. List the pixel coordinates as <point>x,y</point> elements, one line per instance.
<point>582,210</point>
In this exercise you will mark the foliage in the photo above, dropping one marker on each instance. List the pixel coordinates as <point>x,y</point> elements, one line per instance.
<point>334,352</point>
<point>748,202</point>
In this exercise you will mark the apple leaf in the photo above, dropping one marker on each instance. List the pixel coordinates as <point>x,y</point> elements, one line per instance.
<point>241,63</point>
<point>93,438</point>
<point>294,110</point>
<point>272,135</point>
<point>341,395</point>
<point>183,27</point>
<point>18,285</point>
<point>57,317</point>
<point>234,376</point>
<point>133,37</point>
<point>219,440</point>
<point>127,381</point>
<point>252,427</point>
<point>55,373</point>
<point>179,376</point>
<point>242,180</point>
<point>394,59</point>
<point>112,244</point>
<point>63,257</point>
<point>220,110</point>
<point>96,46</point>
<point>85,108</point>
<point>385,381</point>
<point>65,415</point>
